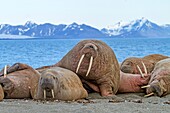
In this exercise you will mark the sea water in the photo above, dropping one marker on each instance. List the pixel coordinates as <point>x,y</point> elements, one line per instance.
<point>43,52</point>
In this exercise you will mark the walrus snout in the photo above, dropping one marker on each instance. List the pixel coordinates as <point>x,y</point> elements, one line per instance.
<point>126,67</point>
<point>155,88</point>
<point>89,52</point>
<point>47,82</point>
<point>47,85</point>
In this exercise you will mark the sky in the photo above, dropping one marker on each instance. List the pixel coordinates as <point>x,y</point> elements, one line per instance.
<point>96,13</point>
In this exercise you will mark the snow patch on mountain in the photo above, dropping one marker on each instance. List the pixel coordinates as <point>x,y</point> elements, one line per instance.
<point>125,27</point>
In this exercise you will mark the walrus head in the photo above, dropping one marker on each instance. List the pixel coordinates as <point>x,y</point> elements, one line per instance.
<point>48,83</point>
<point>154,88</point>
<point>130,65</point>
<point>157,87</point>
<point>126,67</point>
<point>87,54</point>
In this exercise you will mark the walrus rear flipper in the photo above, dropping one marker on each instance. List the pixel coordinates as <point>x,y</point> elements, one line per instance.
<point>13,68</point>
<point>17,67</point>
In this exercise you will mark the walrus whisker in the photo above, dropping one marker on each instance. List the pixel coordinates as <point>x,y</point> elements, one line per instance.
<point>144,68</point>
<point>44,94</point>
<point>90,64</point>
<point>147,86</point>
<point>5,71</point>
<point>150,94</point>
<point>52,92</point>
<point>140,71</point>
<point>78,66</point>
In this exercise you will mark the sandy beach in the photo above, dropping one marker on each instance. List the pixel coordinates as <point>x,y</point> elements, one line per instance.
<point>123,103</point>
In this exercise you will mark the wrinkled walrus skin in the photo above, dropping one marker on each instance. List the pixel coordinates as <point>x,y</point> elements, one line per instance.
<point>20,81</point>
<point>129,65</point>
<point>60,84</point>
<point>132,83</point>
<point>104,70</point>
<point>159,83</point>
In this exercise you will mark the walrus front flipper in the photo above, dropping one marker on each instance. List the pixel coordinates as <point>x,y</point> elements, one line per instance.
<point>6,84</point>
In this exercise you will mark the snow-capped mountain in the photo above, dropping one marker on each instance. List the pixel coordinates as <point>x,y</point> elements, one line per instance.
<point>48,30</point>
<point>137,28</point>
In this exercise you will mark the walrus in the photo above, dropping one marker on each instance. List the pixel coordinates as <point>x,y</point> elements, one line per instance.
<point>130,64</point>
<point>95,63</point>
<point>61,84</point>
<point>159,83</point>
<point>19,81</point>
<point>132,83</point>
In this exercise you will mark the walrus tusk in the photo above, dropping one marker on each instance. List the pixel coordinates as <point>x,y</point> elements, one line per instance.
<point>90,64</point>
<point>52,92</point>
<point>150,94</point>
<point>5,71</point>
<point>78,66</point>
<point>147,86</point>
<point>144,68</point>
<point>140,71</point>
<point>44,94</point>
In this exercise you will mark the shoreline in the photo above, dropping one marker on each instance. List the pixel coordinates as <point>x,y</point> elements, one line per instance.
<point>133,103</point>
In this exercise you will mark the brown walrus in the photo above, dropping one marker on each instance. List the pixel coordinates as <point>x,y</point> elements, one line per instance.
<point>19,81</point>
<point>95,63</point>
<point>61,84</point>
<point>159,83</point>
<point>130,65</point>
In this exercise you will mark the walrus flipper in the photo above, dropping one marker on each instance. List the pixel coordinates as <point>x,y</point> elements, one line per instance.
<point>13,68</point>
<point>17,67</point>
<point>6,84</point>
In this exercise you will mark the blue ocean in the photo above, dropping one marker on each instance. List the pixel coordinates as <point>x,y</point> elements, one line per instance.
<point>41,52</point>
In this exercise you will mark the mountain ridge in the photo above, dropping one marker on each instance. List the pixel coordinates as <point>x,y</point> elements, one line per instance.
<point>136,28</point>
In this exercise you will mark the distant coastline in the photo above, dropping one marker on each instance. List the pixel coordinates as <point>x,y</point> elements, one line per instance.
<point>2,36</point>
